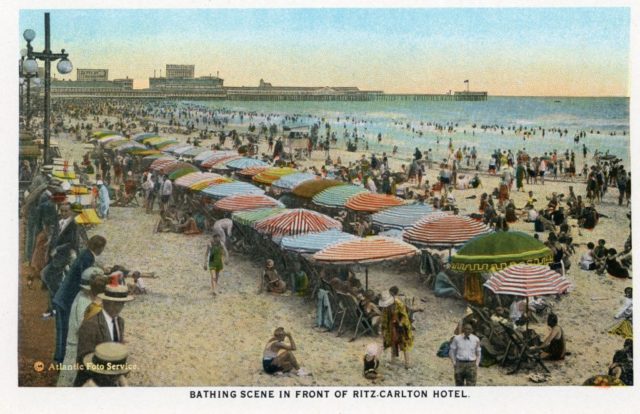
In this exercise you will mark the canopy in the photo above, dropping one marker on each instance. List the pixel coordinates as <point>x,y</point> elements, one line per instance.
<point>250,217</point>
<point>308,189</point>
<point>270,175</point>
<point>182,171</point>
<point>142,136</point>
<point>142,152</point>
<point>88,216</point>
<point>444,230</point>
<point>314,242</point>
<point>251,171</point>
<point>496,251</point>
<point>194,177</point>
<point>365,250</point>
<point>528,281</point>
<point>163,142</point>
<point>208,182</point>
<point>122,145</point>
<point>288,182</point>
<point>401,217</point>
<point>244,162</point>
<point>371,202</point>
<point>337,196</point>
<point>246,202</point>
<point>229,189</point>
<point>203,155</point>
<point>168,146</point>
<point>296,221</point>
<point>68,175</point>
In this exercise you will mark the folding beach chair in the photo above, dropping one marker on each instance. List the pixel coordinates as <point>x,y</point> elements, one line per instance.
<point>348,306</point>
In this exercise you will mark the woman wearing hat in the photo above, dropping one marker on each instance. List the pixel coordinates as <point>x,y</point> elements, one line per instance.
<point>107,365</point>
<point>396,325</point>
<point>216,256</point>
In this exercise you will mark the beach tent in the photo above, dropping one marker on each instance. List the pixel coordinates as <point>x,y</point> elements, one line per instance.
<point>444,231</point>
<point>250,217</point>
<point>336,197</point>
<point>401,217</point>
<point>268,176</point>
<point>289,182</point>
<point>228,189</point>
<point>314,242</point>
<point>246,202</point>
<point>245,162</point>
<point>296,221</point>
<point>308,189</point>
<point>372,202</point>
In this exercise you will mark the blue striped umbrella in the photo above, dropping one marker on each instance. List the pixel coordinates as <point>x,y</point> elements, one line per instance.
<point>229,189</point>
<point>194,151</point>
<point>242,163</point>
<point>250,217</point>
<point>337,196</point>
<point>144,135</point>
<point>181,149</point>
<point>314,242</point>
<point>288,182</point>
<point>400,217</point>
<point>203,155</point>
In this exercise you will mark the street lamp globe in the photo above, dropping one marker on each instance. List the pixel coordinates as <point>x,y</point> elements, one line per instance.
<point>29,35</point>
<point>37,82</point>
<point>64,66</point>
<point>21,81</point>
<point>23,52</point>
<point>30,66</point>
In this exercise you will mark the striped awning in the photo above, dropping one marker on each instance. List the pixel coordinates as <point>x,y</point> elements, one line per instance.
<point>314,242</point>
<point>250,217</point>
<point>401,217</point>
<point>245,162</point>
<point>228,189</point>
<point>270,175</point>
<point>289,182</point>
<point>246,202</point>
<point>195,177</point>
<point>337,196</point>
<point>444,231</point>
<point>371,202</point>
<point>169,168</point>
<point>251,171</point>
<point>296,221</point>
<point>365,250</point>
<point>527,281</point>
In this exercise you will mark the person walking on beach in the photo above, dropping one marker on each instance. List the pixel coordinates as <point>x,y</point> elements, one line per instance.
<point>397,332</point>
<point>215,258</point>
<point>465,352</point>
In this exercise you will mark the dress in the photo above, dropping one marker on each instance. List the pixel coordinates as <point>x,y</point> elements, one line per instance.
<point>215,258</point>
<point>396,328</point>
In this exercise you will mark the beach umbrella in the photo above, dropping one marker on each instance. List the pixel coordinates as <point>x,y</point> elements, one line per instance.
<point>181,149</point>
<point>308,189</point>
<point>169,168</point>
<point>272,174</point>
<point>208,182</point>
<point>289,182</point>
<point>393,233</point>
<point>228,189</point>
<point>219,161</point>
<point>142,152</point>
<point>495,251</point>
<point>195,177</point>
<point>194,151</point>
<point>204,156</point>
<point>365,251</point>
<point>122,145</point>
<point>168,146</point>
<point>161,162</point>
<point>146,161</point>
<point>336,197</point>
<point>296,221</point>
<point>182,171</point>
<point>314,242</point>
<point>64,175</point>
<point>144,135</point>
<point>401,217</point>
<point>100,134</point>
<point>372,202</point>
<point>245,162</point>
<point>250,217</point>
<point>110,138</point>
<point>444,230</point>
<point>246,202</point>
<point>250,172</point>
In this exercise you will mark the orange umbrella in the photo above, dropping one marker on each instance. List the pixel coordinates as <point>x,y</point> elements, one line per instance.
<point>241,202</point>
<point>372,202</point>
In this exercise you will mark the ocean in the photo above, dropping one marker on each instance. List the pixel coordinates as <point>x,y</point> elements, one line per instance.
<point>409,124</point>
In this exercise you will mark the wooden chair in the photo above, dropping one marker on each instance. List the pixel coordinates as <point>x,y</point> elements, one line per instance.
<point>348,306</point>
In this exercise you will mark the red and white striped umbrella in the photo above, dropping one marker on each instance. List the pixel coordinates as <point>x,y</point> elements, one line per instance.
<point>528,281</point>
<point>246,202</point>
<point>296,221</point>
<point>372,202</point>
<point>365,250</point>
<point>444,231</point>
<point>195,177</point>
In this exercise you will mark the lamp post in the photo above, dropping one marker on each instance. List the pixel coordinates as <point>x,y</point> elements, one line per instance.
<point>25,85</point>
<point>30,65</point>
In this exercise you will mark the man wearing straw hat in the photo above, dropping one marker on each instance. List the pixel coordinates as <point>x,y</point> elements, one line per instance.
<point>106,326</point>
<point>107,365</point>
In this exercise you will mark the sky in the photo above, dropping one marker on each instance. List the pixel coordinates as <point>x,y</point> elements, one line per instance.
<point>505,51</point>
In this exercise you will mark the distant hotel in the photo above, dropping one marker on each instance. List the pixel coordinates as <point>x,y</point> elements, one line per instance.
<point>180,82</point>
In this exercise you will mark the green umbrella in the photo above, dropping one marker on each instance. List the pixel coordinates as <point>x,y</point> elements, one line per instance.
<point>182,171</point>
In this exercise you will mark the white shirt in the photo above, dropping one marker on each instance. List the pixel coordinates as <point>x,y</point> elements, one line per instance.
<point>167,187</point>
<point>626,310</point>
<point>465,348</point>
<point>586,260</point>
<point>63,223</point>
<point>109,320</point>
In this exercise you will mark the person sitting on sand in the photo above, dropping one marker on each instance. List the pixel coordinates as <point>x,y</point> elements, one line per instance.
<point>138,284</point>
<point>543,223</point>
<point>589,218</point>
<point>510,212</point>
<point>587,261</point>
<point>553,347</point>
<point>270,280</point>
<point>278,355</point>
<point>299,280</point>
<point>371,362</point>
<point>613,266</point>
<point>622,365</point>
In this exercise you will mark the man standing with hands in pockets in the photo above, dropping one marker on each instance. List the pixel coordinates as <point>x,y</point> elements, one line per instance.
<point>465,352</point>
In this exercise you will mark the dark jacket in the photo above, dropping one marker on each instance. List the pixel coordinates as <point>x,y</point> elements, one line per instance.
<point>71,284</point>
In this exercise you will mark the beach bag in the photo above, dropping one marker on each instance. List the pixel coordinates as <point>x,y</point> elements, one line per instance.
<point>443,351</point>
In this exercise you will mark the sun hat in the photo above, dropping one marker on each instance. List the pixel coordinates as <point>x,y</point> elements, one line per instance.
<point>88,275</point>
<point>372,351</point>
<point>109,358</point>
<point>385,300</point>
<point>116,294</point>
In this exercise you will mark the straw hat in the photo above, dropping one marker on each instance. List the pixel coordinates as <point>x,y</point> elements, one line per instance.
<point>385,300</point>
<point>88,275</point>
<point>116,294</point>
<point>109,358</point>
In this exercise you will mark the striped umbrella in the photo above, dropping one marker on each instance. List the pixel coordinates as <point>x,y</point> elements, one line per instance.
<point>141,152</point>
<point>337,196</point>
<point>270,175</point>
<point>308,189</point>
<point>208,182</point>
<point>161,162</point>
<point>401,217</point>
<point>289,182</point>
<point>527,281</point>
<point>168,146</point>
<point>202,157</point>
<point>175,174</point>
<point>228,189</point>
<point>110,138</point>
<point>371,202</point>
<point>100,134</point>
<point>246,202</point>
<point>193,152</point>
<point>219,161</point>
<point>444,231</point>
<point>250,217</point>
<point>194,177</point>
<point>142,136</point>
<point>182,149</point>
<point>296,221</point>
<point>245,162</point>
<point>122,145</point>
<point>169,168</point>
<point>314,242</point>
<point>250,172</point>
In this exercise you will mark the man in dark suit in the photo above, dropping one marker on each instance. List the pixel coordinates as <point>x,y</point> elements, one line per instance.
<point>105,326</point>
<point>68,290</point>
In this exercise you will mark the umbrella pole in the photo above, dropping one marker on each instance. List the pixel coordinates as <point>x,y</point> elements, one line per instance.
<point>526,310</point>
<point>366,278</point>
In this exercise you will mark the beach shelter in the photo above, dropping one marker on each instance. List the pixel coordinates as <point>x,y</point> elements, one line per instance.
<point>195,177</point>
<point>336,197</point>
<point>246,202</point>
<point>289,182</point>
<point>248,173</point>
<point>268,176</point>
<point>367,250</point>
<point>367,202</point>
<point>308,189</point>
<point>314,242</point>
<point>203,155</point>
<point>245,162</point>
<point>250,217</point>
<point>401,217</point>
<point>228,189</point>
<point>184,170</point>
<point>444,231</point>
<point>296,221</point>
